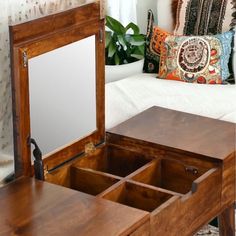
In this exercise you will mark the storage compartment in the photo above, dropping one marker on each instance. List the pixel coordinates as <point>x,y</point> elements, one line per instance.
<point>137,196</point>
<point>169,174</point>
<point>115,161</point>
<point>91,182</point>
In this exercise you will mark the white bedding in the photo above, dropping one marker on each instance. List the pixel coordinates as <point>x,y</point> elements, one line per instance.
<point>128,97</point>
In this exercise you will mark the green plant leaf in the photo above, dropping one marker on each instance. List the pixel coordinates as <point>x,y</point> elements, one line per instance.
<point>122,41</point>
<point>123,47</point>
<point>137,56</point>
<point>108,38</point>
<point>117,59</point>
<point>136,40</point>
<point>111,49</point>
<point>134,27</point>
<point>115,25</point>
<point>138,52</point>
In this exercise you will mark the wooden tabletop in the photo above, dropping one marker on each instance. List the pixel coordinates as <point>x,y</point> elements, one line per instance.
<point>182,131</point>
<point>30,207</point>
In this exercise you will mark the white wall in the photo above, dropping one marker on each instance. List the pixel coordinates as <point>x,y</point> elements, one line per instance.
<point>136,11</point>
<point>131,11</point>
<point>161,10</point>
<point>164,17</point>
<point>142,9</point>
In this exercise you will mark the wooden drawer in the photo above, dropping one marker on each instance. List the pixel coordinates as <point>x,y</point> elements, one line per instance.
<point>171,191</point>
<point>170,203</point>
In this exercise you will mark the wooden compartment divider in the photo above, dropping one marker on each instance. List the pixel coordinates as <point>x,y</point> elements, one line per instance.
<point>171,175</point>
<point>137,196</point>
<point>115,161</point>
<point>90,181</point>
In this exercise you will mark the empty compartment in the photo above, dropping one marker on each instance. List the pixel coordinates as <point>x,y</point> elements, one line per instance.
<point>90,182</point>
<point>115,161</point>
<point>137,196</point>
<point>169,174</point>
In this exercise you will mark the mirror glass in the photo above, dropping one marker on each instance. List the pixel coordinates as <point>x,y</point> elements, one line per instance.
<point>62,86</point>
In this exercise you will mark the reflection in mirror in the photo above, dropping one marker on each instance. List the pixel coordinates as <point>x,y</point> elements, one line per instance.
<point>62,86</point>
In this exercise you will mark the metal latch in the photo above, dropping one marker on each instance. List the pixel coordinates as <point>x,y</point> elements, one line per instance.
<point>89,148</point>
<point>192,170</point>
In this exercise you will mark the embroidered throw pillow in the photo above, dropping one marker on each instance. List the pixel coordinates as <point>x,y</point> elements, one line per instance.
<point>196,59</point>
<point>154,40</point>
<point>204,17</point>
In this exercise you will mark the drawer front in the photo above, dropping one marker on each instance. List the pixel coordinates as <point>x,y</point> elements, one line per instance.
<point>185,215</point>
<point>143,230</point>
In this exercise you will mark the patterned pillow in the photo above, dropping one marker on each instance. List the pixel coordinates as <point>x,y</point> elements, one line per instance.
<point>204,17</point>
<point>197,59</point>
<point>154,40</point>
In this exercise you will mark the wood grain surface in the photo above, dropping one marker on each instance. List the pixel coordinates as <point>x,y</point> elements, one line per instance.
<point>180,131</point>
<point>30,207</point>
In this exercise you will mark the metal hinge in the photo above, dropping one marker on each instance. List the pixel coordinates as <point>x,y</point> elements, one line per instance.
<point>45,171</point>
<point>101,35</point>
<point>89,148</point>
<point>25,58</point>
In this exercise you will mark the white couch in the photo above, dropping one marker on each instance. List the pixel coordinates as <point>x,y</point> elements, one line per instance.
<point>130,96</point>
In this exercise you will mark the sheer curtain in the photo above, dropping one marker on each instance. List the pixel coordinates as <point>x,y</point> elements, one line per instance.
<point>123,10</point>
<point>131,11</point>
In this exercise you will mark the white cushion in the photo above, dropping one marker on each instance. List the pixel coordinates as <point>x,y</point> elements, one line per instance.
<point>130,96</point>
<point>164,15</point>
<point>114,73</point>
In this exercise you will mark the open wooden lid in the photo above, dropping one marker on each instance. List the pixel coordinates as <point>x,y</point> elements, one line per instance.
<point>32,39</point>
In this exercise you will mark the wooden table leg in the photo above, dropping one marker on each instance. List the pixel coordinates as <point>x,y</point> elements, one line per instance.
<point>227,222</point>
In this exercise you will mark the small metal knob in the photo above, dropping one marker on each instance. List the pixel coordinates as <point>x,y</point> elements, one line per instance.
<point>192,170</point>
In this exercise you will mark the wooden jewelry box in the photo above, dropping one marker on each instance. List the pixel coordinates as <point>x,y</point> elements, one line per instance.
<point>162,172</point>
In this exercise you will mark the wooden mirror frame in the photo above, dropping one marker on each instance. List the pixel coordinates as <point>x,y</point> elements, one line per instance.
<point>39,36</point>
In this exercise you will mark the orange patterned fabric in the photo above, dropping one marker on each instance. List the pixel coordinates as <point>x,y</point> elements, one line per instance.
<point>155,39</point>
<point>154,48</point>
<point>158,38</point>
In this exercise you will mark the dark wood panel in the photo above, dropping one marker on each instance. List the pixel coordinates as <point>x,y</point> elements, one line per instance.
<point>157,151</point>
<point>191,211</point>
<point>116,161</point>
<point>59,21</point>
<point>91,182</point>
<point>144,230</point>
<point>180,131</point>
<point>170,175</point>
<point>227,221</point>
<point>229,181</point>
<point>138,196</point>
<point>30,207</point>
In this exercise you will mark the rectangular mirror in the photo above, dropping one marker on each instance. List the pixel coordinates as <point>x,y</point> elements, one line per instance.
<point>62,89</point>
<point>58,86</point>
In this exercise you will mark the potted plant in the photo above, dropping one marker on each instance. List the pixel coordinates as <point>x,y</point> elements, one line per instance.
<point>124,50</point>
